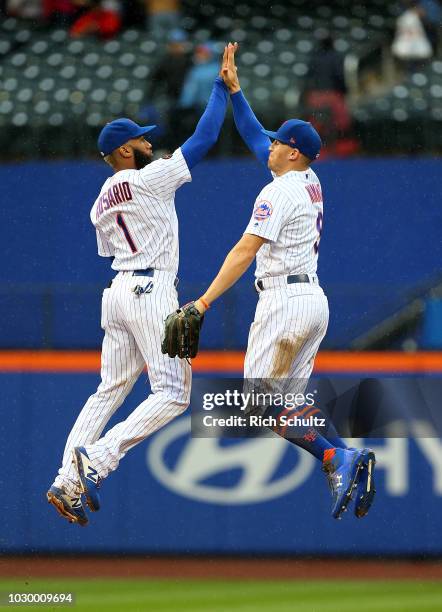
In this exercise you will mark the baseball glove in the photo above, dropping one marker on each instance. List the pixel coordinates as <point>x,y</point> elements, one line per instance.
<point>182,332</point>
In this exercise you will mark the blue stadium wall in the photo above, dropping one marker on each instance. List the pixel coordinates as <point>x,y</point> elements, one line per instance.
<point>381,238</point>
<point>178,494</point>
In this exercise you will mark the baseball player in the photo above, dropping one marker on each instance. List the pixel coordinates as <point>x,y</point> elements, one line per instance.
<point>291,317</point>
<point>136,224</point>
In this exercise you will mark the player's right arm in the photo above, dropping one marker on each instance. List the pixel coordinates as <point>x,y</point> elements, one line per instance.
<point>246,122</point>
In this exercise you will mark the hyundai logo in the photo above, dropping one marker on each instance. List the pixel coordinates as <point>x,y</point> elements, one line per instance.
<point>200,459</point>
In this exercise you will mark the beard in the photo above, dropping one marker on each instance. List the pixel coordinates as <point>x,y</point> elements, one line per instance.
<point>141,159</point>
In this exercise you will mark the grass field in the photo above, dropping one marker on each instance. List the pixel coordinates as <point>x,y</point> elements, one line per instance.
<point>223,596</point>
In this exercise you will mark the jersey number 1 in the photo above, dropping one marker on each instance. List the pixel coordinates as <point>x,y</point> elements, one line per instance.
<point>130,242</point>
<point>319,220</point>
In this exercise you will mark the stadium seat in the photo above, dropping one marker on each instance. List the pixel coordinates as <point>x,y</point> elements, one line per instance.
<point>58,36</point>
<point>131,36</point>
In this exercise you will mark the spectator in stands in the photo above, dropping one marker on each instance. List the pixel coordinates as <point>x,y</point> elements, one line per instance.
<point>326,70</point>
<point>163,16</point>
<point>411,45</point>
<point>196,87</point>
<point>166,82</point>
<point>431,16</point>
<point>26,9</point>
<point>61,12</point>
<point>169,74</point>
<point>101,17</point>
<point>198,83</point>
<point>324,99</point>
<point>133,13</point>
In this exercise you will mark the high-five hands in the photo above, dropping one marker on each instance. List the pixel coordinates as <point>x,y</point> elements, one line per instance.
<point>228,69</point>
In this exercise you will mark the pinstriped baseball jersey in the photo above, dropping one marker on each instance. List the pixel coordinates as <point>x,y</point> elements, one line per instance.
<point>136,222</point>
<point>135,216</point>
<point>290,319</point>
<point>288,212</point>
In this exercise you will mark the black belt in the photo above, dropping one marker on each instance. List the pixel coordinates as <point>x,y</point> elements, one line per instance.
<point>147,272</point>
<point>292,278</point>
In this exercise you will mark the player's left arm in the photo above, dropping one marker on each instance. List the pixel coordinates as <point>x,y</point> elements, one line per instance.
<point>234,266</point>
<point>209,126</point>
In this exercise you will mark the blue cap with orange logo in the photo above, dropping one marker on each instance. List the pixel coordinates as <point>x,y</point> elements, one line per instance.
<point>299,135</point>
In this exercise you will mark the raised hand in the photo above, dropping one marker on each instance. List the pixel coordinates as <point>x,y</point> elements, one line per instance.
<point>229,70</point>
<point>223,63</point>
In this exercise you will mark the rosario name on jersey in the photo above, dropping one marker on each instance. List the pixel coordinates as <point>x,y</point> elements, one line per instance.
<point>135,216</point>
<point>288,212</point>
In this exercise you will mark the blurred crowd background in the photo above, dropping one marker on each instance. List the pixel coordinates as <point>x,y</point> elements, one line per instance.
<point>368,74</point>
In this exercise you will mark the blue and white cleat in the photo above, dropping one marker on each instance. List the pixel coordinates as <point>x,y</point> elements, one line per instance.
<point>365,489</point>
<point>342,467</point>
<point>69,507</point>
<point>88,476</point>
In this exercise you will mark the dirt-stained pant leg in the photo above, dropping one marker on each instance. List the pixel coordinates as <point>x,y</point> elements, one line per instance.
<point>290,323</point>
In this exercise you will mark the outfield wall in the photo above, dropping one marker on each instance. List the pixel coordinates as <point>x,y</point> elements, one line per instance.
<point>381,237</point>
<point>176,494</point>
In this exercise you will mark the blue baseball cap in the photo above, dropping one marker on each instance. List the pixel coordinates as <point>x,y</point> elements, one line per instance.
<point>299,135</point>
<point>116,133</point>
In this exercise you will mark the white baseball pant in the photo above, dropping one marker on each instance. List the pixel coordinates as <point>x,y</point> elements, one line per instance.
<point>290,322</point>
<point>133,328</point>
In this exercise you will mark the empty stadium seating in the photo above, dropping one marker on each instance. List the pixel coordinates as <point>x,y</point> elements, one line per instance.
<point>49,81</point>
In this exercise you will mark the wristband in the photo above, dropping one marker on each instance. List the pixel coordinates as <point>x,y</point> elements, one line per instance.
<point>204,303</point>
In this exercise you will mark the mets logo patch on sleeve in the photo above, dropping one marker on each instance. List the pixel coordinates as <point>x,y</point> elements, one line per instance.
<point>263,210</point>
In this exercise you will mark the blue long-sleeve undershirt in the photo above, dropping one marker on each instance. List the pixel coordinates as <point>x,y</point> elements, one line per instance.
<point>208,127</point>
<point>250,128</point>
